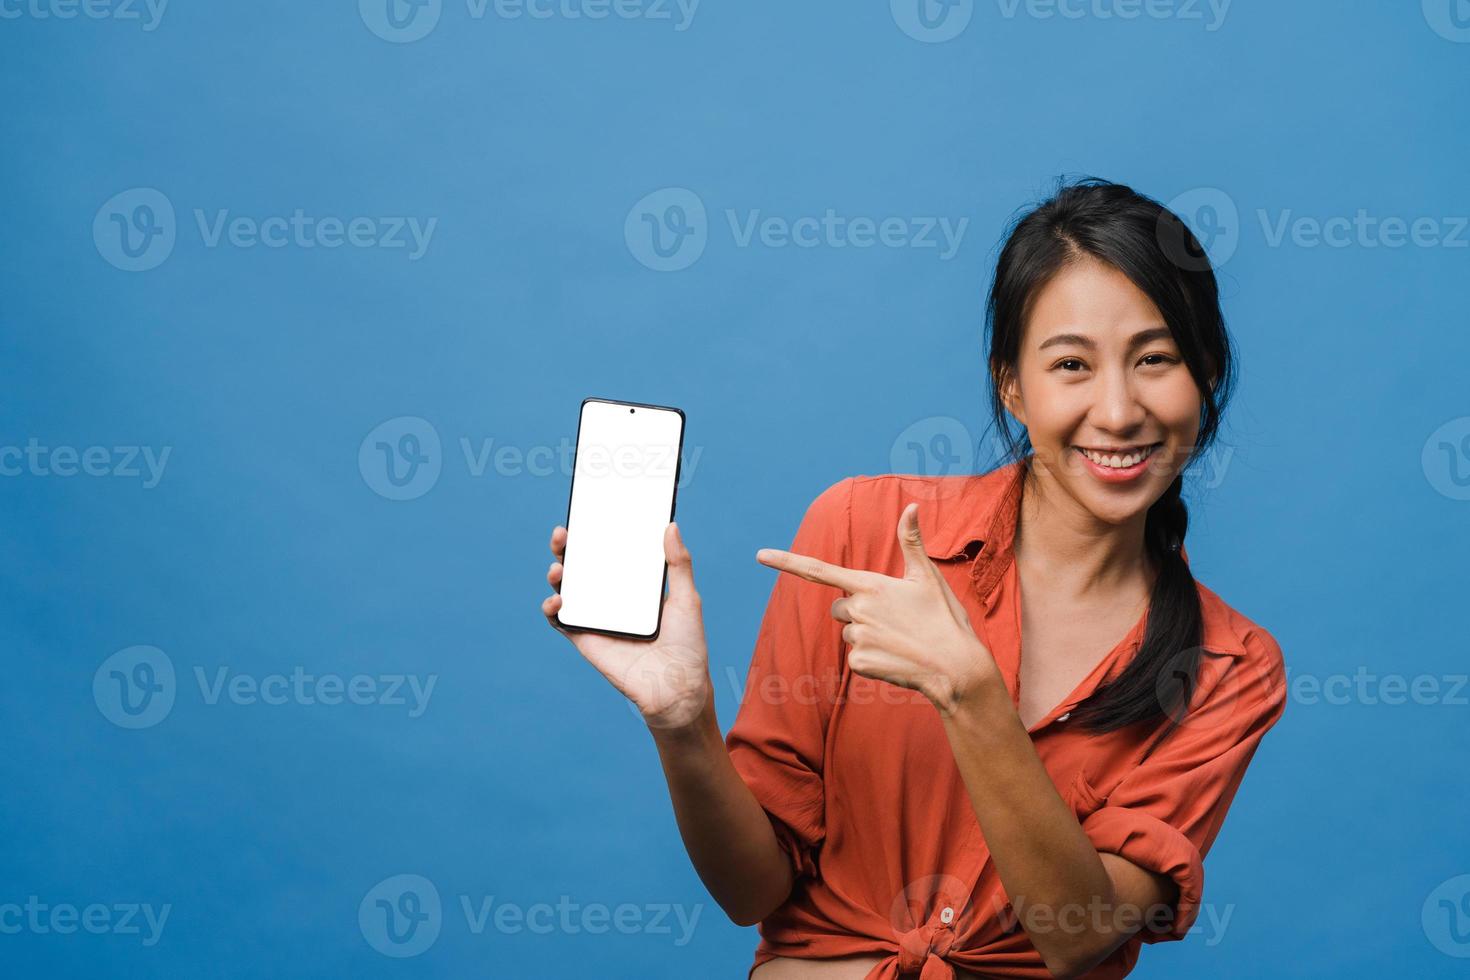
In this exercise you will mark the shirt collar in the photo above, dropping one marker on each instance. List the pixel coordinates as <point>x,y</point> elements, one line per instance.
<point>973,509</point>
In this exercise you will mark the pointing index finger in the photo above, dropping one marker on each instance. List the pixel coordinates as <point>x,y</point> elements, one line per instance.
<point>813,569</point>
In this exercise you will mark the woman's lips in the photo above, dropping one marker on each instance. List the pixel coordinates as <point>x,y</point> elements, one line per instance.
<point>1121,474</point>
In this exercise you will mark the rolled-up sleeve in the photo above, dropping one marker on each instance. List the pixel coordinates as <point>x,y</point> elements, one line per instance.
<point>1165,814</point>
<point>776,742</point>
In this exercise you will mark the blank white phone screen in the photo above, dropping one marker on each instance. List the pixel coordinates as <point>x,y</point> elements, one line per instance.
<point>622,499</point>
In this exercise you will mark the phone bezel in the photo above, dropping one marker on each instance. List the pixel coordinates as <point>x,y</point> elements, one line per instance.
<point>673,506</point>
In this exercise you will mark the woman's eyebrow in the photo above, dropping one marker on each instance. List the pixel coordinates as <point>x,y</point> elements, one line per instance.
<point>1075,339</point>
<point>1082,340</point>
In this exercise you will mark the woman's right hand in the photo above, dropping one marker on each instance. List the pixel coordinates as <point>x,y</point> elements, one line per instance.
<point>667,678</point>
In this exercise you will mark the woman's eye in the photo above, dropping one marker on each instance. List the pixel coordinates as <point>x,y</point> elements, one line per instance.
<point>1076,365</point>
<point>1152,359</point>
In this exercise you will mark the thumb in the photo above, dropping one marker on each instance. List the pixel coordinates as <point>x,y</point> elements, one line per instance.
<point>681,564</point>
<point>915,561</point>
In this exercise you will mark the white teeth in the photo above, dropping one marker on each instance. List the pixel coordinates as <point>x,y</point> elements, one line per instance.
<point>1116,461</point>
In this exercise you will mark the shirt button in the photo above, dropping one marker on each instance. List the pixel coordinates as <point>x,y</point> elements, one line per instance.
<point>947,916</point>
<point>1064,716</point>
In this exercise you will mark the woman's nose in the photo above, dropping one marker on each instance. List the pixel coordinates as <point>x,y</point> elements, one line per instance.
<point>1117,407</point>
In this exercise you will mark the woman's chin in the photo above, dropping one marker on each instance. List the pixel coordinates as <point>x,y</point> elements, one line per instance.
<point>1116,503</point>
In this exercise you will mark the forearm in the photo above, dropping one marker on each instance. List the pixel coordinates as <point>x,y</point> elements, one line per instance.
<point>1052,873</point>
<point>726,832</point>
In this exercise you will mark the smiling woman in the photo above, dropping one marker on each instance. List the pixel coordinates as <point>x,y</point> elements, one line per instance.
<point>997,732</point>
<point>1107,344</point>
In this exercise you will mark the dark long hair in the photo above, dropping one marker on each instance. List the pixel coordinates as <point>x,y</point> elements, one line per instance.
<point>1155,249</point>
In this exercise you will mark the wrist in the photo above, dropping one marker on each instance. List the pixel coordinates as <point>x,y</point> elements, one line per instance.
<point>686,727</point>
<point>976,683</point>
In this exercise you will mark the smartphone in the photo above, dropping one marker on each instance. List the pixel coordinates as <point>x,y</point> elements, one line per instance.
<point>625,478</point>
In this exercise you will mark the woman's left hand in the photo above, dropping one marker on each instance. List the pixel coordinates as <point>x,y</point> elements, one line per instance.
<point>909,631</point>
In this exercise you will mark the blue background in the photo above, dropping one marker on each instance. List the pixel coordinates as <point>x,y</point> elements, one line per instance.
<point>265,546</point>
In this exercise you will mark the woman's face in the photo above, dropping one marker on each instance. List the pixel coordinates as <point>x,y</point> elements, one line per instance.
<point>1109,404</point>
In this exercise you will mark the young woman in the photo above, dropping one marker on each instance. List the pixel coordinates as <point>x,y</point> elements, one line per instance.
<point>992,724</point>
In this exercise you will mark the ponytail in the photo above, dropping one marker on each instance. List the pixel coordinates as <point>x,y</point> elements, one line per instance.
<point>1159,681</point>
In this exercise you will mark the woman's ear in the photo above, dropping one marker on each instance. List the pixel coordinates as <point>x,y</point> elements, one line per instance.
<point>1010,394</point>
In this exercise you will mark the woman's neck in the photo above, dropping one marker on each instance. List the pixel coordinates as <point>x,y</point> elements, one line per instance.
<point>1064,544</point>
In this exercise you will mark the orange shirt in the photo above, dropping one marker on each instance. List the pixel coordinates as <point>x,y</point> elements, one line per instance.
<point>861,785</point>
